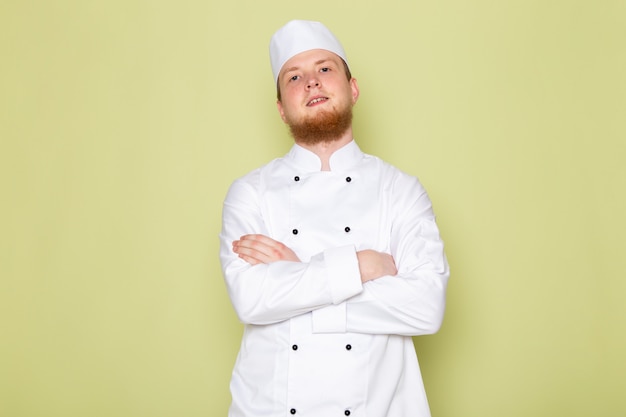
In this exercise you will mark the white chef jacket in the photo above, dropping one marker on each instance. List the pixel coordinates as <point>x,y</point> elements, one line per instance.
<point>317,342</point>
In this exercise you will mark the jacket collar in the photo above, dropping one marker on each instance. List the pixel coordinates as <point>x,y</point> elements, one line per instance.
<point>343,158</point>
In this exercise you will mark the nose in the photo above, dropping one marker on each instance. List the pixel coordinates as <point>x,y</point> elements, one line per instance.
<point>312,82</point>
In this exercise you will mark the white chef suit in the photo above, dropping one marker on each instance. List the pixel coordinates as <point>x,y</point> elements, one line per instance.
<point>317,342</point>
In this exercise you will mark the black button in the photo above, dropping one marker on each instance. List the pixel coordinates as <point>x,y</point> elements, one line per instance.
<point>347,229</point>
<point>294,231</point>
<point>347,412</point>
<point>292,411</point>
<point>296,178</point>
<point>295,347</point>
<point>348,346</point>
<point>348,179</point>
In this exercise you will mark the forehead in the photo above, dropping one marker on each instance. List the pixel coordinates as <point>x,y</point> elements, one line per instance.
<point>308,58</point>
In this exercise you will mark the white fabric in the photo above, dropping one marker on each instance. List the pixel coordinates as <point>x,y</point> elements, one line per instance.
<point>320,304</point>
<point>299,36</point>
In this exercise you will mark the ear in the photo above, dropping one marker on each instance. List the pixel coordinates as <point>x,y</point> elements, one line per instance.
<point>355,90</point>
<point>281,111</point>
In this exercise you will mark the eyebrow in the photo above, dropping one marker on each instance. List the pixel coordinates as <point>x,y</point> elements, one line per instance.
<point>321,61</point>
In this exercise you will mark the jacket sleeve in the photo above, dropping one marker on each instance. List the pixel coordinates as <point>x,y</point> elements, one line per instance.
<point>269,293</point>
<point>411,303</point>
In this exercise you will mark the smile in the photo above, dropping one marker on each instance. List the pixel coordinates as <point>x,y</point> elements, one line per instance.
<point>316,100</point>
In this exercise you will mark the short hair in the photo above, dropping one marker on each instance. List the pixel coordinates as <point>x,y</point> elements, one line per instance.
<point>345,67</point>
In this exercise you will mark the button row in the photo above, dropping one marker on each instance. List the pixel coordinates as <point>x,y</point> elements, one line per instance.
<point>346,229</point>
<point>297,178</point>
<point>346,412</point>
<point>295,347</point>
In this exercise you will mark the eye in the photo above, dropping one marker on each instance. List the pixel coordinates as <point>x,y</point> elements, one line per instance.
<point>325,69</point>
<point>294,78</point>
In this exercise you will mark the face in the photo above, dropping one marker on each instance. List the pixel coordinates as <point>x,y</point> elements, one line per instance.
<point>316,96</point>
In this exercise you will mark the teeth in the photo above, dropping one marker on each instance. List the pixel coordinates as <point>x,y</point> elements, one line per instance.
<point>317,100</point>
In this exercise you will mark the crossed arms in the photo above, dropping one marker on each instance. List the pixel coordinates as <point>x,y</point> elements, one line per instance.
<point>401,292</point>
<point>260,249</point>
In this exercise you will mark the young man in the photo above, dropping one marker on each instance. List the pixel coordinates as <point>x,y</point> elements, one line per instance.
<point>332,258</point>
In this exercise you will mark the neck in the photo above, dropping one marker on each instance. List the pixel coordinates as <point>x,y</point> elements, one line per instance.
<point>324,150</point>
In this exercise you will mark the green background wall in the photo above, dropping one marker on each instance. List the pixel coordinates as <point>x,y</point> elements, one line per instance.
<point>122,123</point>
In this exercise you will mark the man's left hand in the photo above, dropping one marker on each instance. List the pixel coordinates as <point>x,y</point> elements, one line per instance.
<point>260,249</point>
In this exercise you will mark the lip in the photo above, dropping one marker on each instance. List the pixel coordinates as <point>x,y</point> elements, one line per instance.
<point>316,101</point>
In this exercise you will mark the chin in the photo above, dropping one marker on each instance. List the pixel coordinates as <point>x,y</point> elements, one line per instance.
<point>325,127</point>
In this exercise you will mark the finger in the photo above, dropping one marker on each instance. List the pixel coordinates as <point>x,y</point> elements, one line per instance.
<point>260,239</point>
<point>246,254</point>
<point>263,248</point>
<point>250,260</point>
<point>258,243</point>
<point>251,249</point>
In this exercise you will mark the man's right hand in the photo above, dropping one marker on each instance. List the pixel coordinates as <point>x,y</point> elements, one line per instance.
<point>375,264</point>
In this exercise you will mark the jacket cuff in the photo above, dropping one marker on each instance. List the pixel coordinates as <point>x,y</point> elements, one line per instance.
<point>344,276</point>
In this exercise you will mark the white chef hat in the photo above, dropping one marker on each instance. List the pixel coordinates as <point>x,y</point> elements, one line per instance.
<point>300,36</point>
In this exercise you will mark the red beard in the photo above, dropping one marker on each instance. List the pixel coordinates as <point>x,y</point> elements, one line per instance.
<point>325,127</point>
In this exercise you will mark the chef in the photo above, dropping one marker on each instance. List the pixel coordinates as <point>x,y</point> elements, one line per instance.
<point>331,257</point>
